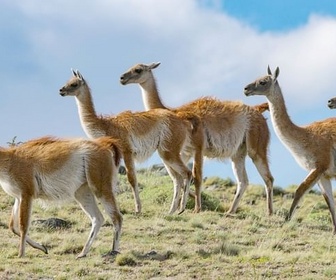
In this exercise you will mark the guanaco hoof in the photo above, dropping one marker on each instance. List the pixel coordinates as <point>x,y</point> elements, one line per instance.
<point>112,253</point>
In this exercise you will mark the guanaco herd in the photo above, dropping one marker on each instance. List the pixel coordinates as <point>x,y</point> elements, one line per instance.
<point>53,169</point>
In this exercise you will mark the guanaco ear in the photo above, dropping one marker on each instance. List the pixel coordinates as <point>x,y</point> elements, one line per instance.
<point>79,75</point>
<point>73,72</point>
<point>276,74</point>
<point>154,65</point>
<point>269,72</point>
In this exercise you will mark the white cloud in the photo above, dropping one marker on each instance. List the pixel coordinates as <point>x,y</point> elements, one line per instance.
<point>307,59</point>
<point>203,51</point>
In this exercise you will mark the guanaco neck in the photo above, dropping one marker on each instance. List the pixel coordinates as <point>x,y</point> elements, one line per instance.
<point>91,123</point>
<point>150,95</point>
<point>283,125</point>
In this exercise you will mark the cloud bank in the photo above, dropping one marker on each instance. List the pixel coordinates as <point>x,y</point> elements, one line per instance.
<point>202,50</point>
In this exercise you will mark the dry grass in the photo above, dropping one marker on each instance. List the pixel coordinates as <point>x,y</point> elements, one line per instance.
<point>154,245</point>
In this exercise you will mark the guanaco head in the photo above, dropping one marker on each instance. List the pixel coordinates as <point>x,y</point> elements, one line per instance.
<point>332,103</point>
<point>138,74</point>
<point>263,85</point>
<point>74,85</point>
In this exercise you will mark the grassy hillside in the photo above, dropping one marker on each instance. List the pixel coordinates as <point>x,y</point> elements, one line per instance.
<point>154,245</point>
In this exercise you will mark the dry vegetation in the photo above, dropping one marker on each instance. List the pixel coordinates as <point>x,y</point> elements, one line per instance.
<point>154,245</point>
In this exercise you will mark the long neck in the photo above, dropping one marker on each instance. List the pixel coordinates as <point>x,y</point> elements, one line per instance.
<point>150,95</point>
<point>87,113</point>
<point>283,125</point>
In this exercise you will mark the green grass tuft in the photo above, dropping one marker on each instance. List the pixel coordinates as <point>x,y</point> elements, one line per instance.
<point>125,260</point>
<point>209,203</point>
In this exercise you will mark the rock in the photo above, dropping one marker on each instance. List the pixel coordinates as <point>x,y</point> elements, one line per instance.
<point>52,223</point>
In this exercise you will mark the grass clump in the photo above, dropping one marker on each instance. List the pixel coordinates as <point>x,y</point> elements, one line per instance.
<point>222,249</point>
<point>227,249</point>
<point>218,182</point>
<point>209,203</point>
<point>125,260</point>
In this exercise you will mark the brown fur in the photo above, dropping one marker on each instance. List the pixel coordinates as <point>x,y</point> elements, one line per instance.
<point>141,134</point>
<point>54,169</point>
<point>261,108</point>
<point>313,146</point>
<point>228,129</point>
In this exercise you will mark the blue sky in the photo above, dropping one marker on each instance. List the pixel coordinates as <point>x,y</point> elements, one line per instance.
<point>205,48</point>
<point>277,15</point>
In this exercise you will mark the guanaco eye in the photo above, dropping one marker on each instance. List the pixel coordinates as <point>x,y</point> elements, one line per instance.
<point>138,70</point>
<point>263,83</point>
<point>73,85</point>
